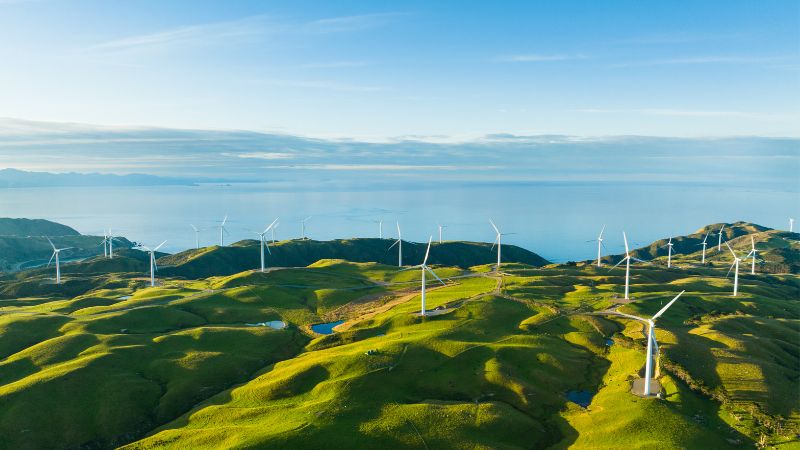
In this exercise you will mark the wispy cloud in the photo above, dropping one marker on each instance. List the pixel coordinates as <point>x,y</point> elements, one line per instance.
<point>526,58</point>
<point>727,59</point>
<point>688,113</point>
<point>260,155</point>
<point>350,23</point>
<point>380,167</point>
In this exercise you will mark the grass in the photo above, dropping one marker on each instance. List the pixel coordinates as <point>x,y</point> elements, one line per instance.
<point>107,361</point>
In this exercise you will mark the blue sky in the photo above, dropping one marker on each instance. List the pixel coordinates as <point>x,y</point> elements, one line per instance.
<point>372,70</point>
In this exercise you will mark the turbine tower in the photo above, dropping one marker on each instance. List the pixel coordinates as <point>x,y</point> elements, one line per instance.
<point>56,252</point>
<point>380,227</point>
<point>303,226</point>
<point>111,244</point>
<point>222,231</point>
<point>704,244</point>
<point>196,237</point>
<point>736,261</point>
<point>599,245</point>
<point>627,260</point>
<point>262,238</point>
<point>104,243</point>
<point>754,254</point>
<point>424,267</point>
<point>153,265</point>
<point>497,243</point>
<point>399,244</point>
<point>651,341</point>
<point>719,238</point>
<point>791,225</point>
<point>440,231</point>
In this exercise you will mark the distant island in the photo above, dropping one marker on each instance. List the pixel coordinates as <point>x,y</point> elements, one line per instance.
<point>13,178</point>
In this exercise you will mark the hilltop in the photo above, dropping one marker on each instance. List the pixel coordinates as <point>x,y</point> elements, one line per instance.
<point>245,255</point>
<point>33,227</point>
<point>779,251</point>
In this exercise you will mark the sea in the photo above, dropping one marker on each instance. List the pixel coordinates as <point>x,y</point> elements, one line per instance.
<point>557,220</point>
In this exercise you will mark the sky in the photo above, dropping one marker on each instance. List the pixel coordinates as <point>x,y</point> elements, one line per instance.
<point>435,70</point>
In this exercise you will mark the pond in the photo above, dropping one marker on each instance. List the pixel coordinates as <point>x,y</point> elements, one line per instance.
<point>581,398</point>
<point>609,342</point>
<point>275,324</point>
<point>325,328</point>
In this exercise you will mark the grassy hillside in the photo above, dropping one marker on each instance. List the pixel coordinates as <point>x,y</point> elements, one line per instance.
<point>104,360</point>
<point>33,227</point>
<point>779,251</point>
<point>245,255</point>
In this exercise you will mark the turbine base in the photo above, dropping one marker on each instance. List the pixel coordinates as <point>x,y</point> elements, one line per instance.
<point>637,388</point>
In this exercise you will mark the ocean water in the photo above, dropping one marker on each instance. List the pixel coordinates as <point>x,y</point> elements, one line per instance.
<point>554,219</point>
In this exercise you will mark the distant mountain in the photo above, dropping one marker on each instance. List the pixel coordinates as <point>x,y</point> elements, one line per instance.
<point>23,243</point>
<point>244,255</point>
<point>13,178</point>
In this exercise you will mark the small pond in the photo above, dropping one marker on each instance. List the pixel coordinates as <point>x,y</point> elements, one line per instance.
<point>276,324</point>
<point>325,328</point>
<point>581,398</point>
<point>609,342</point>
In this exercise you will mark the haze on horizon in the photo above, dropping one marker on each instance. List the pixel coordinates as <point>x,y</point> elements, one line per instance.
<point>443,71</point>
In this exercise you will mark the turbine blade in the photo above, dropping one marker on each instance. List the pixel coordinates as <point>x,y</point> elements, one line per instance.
<point>194,228</point>
<point>753,241</point>
<point>601,232</point>
<point>272,224</point>
<point>732,252</point>
<point>428,251</point>
<point>631,316</point>
<point>661,311</point>
<point>494,226</point>
<point>224,220</point>
<point>51,242</point>
<point>729,270</point>
<point>398,231</point>
<point>434,275</point>
<point>625,238</point>
<point>51,258</point>
<point>266,244</point>
<point>395,243</point>
<point>159,246</point>
<point>620,262</point>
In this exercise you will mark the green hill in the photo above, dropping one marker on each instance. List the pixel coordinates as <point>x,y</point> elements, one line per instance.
<point>104,360</point>
<point>779,250</point>
<point>245,255</point>
<point>23,243</point>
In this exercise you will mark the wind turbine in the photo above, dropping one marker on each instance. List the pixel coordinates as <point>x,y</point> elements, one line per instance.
<point>222,230</point>
<point>380,227</point>
<point>599,245</point>
<point>669,253</point>
<point>627,260</point>
<point>704,244</point>
<point>153,265</point>
<point>497,242</point>
<point>196,237</point>
<point>303,225</point>
<point>719,236</point>
<point>111,244</point>
<point>424,267</point>
<point>791,225</point>
<point>651,341</point>
<point>736,261</point>
<point>55,254</point>
<point>399,244</point>
<point>264,242</point>
<point>754,254</point>
<point>440,231</point>
<point>104,243</point>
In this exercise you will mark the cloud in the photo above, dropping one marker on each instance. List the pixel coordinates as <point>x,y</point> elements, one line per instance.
<point>379,167</point>
<point>707,60</point>
<point>260,155</point>
<point>688,113</point>
<point>349,23</point>
<point>523,58</point>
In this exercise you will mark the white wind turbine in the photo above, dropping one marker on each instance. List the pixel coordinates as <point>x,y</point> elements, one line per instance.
<point>600,245</point>
<point>669,253</point>
<point>497,242</point>
<point>736,261</point>
<point>399,244</point>
<point>222,231</point>
<point>104,243</point>
<point>56,252</point>
<point>111,239</point>
<point>651,341</point>
<point>719,238</point>
<point>196,237</point>
<point>791,225</point>
<point>627,260</point>
<point>153,265</point>
<point>704,244</point>
<point>303,225</point>
<point>754,254</point>
<point>424,267</point>
<point>380,227</point>
<point>440,231</point>
<point>262,238</point>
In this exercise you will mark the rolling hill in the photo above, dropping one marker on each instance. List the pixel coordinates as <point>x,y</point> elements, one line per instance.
<point>105,361</point>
